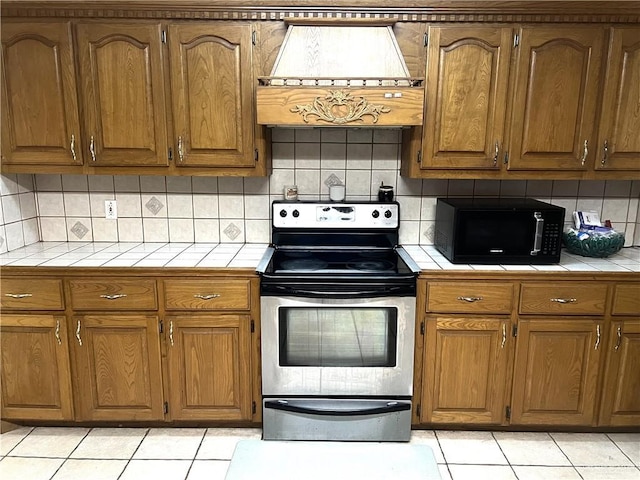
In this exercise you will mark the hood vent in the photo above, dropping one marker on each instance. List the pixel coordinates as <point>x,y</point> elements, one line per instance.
<point>340,74</point>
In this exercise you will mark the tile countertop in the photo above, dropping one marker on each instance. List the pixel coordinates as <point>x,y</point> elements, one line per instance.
<point>237,255</point>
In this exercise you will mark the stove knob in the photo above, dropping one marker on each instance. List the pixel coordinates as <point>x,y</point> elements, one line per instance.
<point>388,214</point>
<point>296,213</point>
<point>283,213</point>
<point>375,214</point>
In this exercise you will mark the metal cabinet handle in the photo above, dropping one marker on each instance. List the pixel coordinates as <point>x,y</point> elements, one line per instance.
<point>78,334</point>
<point>171,332</point>
<point>504,335</point>
<point>605,153</point>
<point>495,156</point>
<point>58,332</point>
<point>73,147</point>
<point>597,337</point>
<point>619,339</point>
<point>114,297</point>
<point>206,297</point>
<point>180,149</point>
<point>585,152</point>
<point>469,299</point>
<point>92,149</point>
<point>18,295</point>
<point>563,300</point>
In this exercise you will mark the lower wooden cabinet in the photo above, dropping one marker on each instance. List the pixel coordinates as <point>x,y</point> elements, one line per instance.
<point>35,370</point>
<point>556,371</point>
<point>465,369</point>
<point>209,370</point>
<point>535,352</point>
<point>118,364</point>
<point>133,346</point>
<point>621,390</point>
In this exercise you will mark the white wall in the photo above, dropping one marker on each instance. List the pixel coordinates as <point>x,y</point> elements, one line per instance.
<point>232,209</point>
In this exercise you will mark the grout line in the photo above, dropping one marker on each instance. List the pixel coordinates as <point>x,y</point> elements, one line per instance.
<point>563,452</point>
<point>21,440</point>
<point>504,454</point>
<point>621,451</point>
<point>133,453</point>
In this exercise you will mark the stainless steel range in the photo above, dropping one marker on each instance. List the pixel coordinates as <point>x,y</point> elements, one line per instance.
<point>338,316</point>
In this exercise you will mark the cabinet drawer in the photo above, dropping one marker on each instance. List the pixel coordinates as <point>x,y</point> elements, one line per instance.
<point>469,297</point>
<point>563,298</point>
<point>207,294</point>
<point>32,294</point>
<point>626,299</point>
<point>113,294</point>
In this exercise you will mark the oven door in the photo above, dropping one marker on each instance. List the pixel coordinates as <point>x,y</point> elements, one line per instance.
<point>336,347</point>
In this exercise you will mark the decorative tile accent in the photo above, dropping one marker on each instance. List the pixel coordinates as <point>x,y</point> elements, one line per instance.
<point>79,230</point>
<point>332,180</point>
<point>232,231</point>
<point>430,233</point>
<point>154,205</point>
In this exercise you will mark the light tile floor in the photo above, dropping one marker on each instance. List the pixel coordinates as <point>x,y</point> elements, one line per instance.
<point>46,453</point>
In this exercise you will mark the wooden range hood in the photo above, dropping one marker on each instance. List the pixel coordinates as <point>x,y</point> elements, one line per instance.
<point>347,73</point>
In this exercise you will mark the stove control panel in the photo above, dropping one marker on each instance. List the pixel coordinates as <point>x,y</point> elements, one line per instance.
<point>335,215</point>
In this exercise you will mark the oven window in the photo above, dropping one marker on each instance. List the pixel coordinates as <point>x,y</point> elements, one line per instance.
<point>338,337</point>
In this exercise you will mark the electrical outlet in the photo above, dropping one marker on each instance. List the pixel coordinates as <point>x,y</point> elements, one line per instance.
<point>110,209</point>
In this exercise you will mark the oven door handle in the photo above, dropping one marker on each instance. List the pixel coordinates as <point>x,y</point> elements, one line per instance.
<point>386,407</point>
<point>383,292</point>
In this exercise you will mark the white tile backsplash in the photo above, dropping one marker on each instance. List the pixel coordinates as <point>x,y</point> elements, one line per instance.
<point>155,230</point>
<point>75,183</point>
<point>233,209</point>
<point>11,208</point>
<point>77,204</point>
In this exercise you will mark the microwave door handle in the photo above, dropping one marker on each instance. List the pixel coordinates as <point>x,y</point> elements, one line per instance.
<point>537,237</point>
<point>290,406</point>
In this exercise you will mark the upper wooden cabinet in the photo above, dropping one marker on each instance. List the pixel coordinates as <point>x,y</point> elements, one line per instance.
<point>155,98</point>
<point>212,94</point>
<point>526,102</point>
<point>466,93</point>
<point>123,94</point>
<point>618,145</point>
<point>40,121</point>
<point>555,96</point>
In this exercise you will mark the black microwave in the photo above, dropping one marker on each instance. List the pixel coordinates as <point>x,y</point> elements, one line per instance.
<point>498,230</point>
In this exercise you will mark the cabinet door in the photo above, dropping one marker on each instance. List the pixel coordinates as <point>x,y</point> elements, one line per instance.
<point>465,370</point>
<point>467,78</point>
<point>555,98</point>
<point>40,123</point>
<point>211,82</point>
<point>555,372</point>
<point>36,377</point>
<point>123,94</point>
<point>619,138</point>
<point>119,372</point>
<point>621,392</point>
<point>209,367</point>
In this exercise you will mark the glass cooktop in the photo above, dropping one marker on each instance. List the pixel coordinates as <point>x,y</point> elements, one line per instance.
<point>344,262</point>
